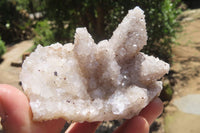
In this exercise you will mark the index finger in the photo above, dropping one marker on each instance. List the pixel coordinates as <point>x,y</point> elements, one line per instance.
<point>152,111</point>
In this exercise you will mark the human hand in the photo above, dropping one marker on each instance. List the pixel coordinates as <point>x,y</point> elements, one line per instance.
<point>17,117</point>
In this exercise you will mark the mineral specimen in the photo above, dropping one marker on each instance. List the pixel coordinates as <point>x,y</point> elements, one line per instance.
<point>85,81</point>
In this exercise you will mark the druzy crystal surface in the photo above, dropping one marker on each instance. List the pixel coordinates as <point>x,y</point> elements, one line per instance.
<point>85,81</point>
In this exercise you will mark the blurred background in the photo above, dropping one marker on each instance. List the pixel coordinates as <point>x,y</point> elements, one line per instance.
<point>173,28</point>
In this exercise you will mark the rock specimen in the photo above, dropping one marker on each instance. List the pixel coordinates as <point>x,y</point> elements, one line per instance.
<point>85,81</point>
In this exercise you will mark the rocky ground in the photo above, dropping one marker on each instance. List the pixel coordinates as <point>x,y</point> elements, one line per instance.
<point>187,74</point>
<point>185,69</point>
<point>182,115</point>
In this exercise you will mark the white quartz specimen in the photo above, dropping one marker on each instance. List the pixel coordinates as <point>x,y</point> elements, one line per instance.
<point>89,82</point>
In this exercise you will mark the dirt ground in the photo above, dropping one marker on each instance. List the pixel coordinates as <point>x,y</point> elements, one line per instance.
<point>10,74</point>
<point>186,69</point>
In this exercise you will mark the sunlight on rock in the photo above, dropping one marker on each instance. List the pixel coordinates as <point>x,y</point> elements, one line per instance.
<point>85,81</point>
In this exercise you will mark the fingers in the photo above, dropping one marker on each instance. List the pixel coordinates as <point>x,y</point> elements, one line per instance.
<point>14,107</point>
<point>53,126</point>
<point>138,124</point>
<point>85,127</point>
<point>152,111</point>
<point>17,116</point>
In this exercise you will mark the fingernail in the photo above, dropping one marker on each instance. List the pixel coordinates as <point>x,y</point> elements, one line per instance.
<point>157,100</point>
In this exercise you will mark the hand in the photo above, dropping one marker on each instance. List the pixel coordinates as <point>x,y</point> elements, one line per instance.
<point>17,117</point>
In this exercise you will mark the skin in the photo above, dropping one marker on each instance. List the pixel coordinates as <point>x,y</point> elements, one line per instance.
<point>16,117</point>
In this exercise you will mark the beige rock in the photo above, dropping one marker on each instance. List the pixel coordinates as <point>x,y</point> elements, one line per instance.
<point>89,82</point>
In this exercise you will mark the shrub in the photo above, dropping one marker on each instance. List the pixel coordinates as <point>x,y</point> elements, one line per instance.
<point>2,47</point>
<point>31,6</point>
<point>14,26</point>
<point>167,92</point>
<point>162,27</point>
<point>161,24</point>
<point>101,18</point>
<point>44,34</point>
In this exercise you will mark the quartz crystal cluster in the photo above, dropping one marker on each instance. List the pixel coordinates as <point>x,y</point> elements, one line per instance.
<point>85,81</point>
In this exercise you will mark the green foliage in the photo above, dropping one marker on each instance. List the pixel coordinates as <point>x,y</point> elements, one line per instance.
<point>44,33</point>
<point>161,24</point>
<point>166,93</point>
<point>31,6</point>
<point>161,27</point>
<point>81,13</point>
<point>13,25</point>
<point>2,47</point>
<point>22,4</point>
<point>102,17</point>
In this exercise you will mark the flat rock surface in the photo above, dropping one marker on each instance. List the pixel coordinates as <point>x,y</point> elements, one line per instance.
<point>189,104</point>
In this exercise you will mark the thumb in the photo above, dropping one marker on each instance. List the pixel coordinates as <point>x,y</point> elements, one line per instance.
<point>14,109</point>
<point>17,116</point>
